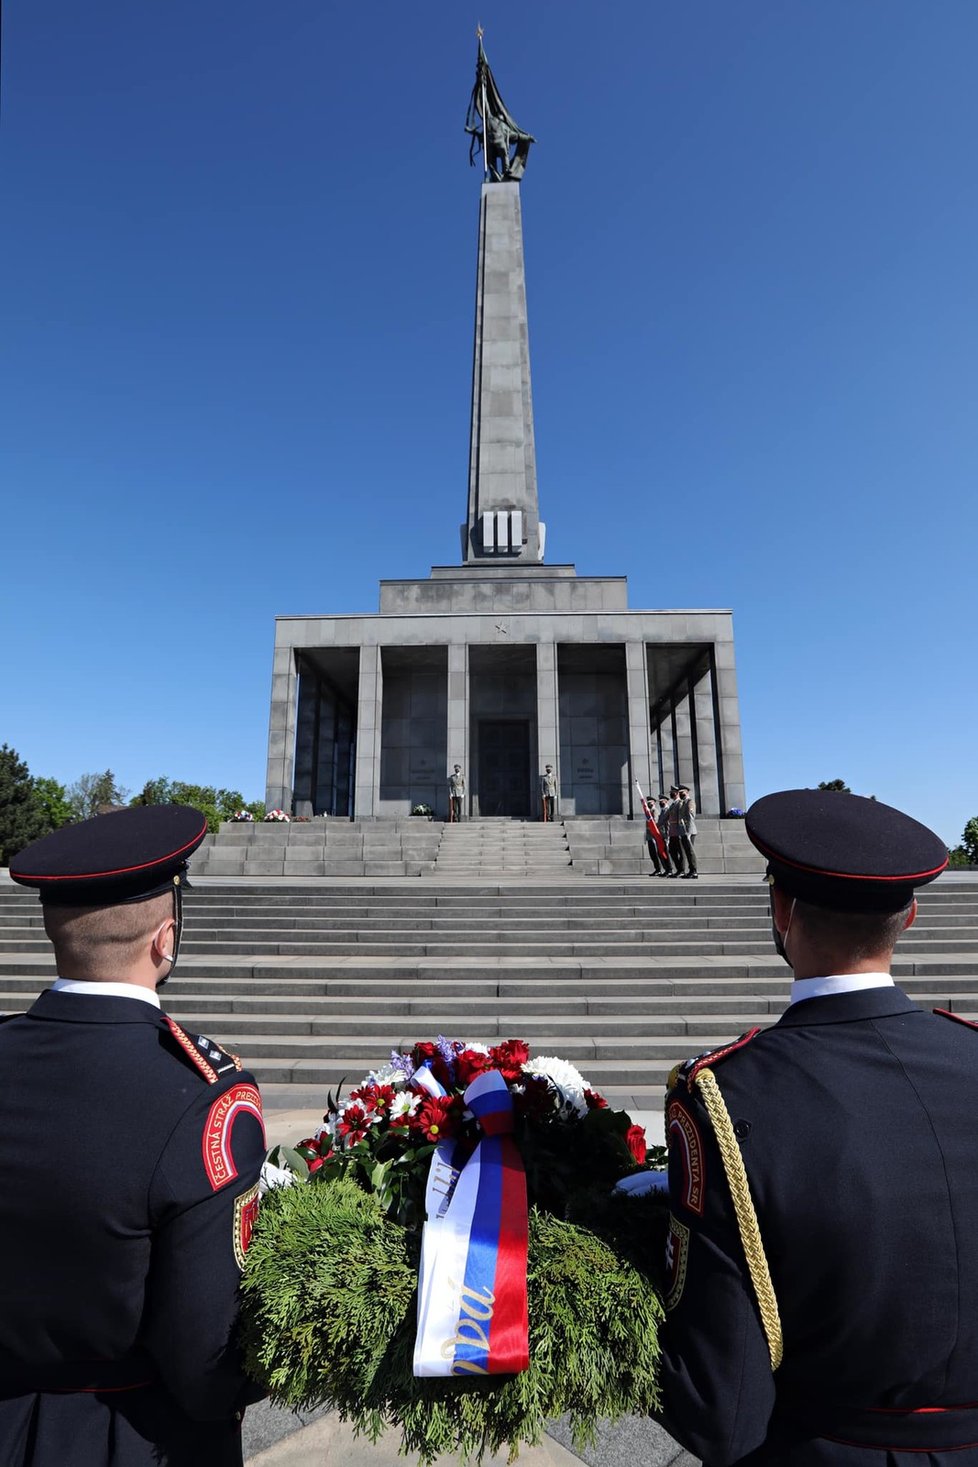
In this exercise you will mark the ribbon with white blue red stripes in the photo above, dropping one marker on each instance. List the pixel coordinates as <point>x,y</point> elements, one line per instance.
<point>472,1313</point>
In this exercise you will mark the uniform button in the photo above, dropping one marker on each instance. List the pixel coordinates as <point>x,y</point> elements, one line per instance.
<point>741,1129</point>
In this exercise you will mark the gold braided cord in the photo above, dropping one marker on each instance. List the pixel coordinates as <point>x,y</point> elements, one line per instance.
<point>750,1232</point>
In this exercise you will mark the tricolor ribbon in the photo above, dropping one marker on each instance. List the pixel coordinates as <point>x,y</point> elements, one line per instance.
<point>472,1314</point>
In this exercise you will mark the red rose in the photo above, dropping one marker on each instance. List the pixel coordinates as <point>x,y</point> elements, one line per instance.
<point>635,1141</point>
<point>594,1101</point>
<point>510,1057</point>
<point>437,1120</point>
<point>470,1063</point>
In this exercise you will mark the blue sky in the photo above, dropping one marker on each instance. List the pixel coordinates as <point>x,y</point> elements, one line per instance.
<point>237,265</point>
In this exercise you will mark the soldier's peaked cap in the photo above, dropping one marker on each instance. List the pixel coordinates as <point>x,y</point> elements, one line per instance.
<point>843,851</point>
<point>127,856</point>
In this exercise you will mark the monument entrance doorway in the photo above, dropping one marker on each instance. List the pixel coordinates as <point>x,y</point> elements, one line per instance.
<point>504,767</point>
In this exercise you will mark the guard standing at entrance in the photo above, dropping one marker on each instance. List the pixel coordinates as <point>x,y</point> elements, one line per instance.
<point>548,792</point>
<point>456,794</point>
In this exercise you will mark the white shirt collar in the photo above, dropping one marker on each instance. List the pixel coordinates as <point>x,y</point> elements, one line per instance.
<point>846,983</point>
<point>107,990</point>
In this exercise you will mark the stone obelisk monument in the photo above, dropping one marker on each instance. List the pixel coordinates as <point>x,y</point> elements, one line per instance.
<point>502,664</point>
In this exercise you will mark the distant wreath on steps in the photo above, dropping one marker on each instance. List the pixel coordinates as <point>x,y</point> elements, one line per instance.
<point>242,817</point>
<point>276,816</point>
<point>424,810</point>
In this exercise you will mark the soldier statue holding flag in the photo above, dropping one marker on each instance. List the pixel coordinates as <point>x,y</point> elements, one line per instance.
<point>492,126</point>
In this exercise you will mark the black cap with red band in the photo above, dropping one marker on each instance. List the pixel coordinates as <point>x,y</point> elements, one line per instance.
<point>127,856</point>
<point>844,851</point>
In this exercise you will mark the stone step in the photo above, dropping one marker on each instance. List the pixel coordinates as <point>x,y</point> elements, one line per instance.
<point>955,973</point>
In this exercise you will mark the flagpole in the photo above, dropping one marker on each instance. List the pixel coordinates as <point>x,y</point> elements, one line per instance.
<point>485,141</point>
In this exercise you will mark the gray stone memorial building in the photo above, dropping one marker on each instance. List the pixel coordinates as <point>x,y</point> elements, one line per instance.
<point>502,663</point>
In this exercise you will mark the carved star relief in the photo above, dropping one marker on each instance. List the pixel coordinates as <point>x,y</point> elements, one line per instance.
<point>502,628</point>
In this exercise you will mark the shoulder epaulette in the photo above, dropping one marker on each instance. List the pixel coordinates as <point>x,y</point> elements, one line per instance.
<point>210,1059</point>
<point>958,1018</point>
<point>685,1073</point>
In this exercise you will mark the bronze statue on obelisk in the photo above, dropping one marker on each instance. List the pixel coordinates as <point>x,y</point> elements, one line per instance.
<point>504,144</point>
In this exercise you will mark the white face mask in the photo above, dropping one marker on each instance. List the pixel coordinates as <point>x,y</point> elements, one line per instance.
<point>781,938</point>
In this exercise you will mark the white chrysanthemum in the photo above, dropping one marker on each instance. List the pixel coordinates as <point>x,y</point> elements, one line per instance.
<point>404,1105</point>
<point>564,1075</point>
<point>477,1048</point>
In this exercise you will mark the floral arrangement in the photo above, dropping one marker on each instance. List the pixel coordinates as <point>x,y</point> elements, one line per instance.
<point>348,1278</point>
<point>422,810</point>
<point>735,813</point>
<point>243,817</point>
<point>276,815</point>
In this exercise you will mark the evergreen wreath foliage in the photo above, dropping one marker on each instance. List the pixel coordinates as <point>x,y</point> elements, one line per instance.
<point>329,1319</point>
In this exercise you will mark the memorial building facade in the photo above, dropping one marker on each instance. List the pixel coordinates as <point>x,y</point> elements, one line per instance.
<point>502,664</point>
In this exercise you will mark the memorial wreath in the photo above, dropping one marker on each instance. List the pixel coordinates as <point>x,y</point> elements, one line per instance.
<point>455,1260</point>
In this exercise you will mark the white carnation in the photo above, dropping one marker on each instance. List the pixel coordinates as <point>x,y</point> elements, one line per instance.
<point>477,1048</point>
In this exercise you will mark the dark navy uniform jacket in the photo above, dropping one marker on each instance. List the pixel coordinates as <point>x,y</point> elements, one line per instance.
<point>857,1119</point>
<point>129,1156</point>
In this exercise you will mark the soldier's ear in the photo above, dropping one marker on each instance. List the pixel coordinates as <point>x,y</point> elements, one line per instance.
<point>911,915</point>
<point>163,939</point>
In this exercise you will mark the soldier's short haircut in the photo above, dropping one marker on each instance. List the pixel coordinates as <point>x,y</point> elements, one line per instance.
<point>103,942</point>
<point>858,935</point>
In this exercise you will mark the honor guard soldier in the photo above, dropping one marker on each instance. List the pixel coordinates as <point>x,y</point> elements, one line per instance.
<point>822,1297</point>
<point>130,1152</point>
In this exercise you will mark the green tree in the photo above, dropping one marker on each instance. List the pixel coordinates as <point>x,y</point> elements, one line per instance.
<point>835,784</point>
<point>216,804</point>
<point>54,801</point>
<point>969,840</point>
<point>22,817</point>
<point>958,858</point>
<point>91,791</point>
<point>155,792</point>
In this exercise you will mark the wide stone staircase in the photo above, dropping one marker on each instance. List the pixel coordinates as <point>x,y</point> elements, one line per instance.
<point>312,982</point>
<point>495,848</point>
<point>321,847</point>
<point>503,850</point>
<point>615,846</point>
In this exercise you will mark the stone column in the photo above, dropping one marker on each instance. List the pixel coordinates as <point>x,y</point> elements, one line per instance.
<point>706,741</point>
<point>684,740</point>
<point>733,793</point>
<point>548,718</point>
<point>639,762</point>
<point>458,717</point>
<point>369,707</point>
<point>281,731</point>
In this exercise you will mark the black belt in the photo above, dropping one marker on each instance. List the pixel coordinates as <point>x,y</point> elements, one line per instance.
<point>77,1375</point>
<point>923,1429</point>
